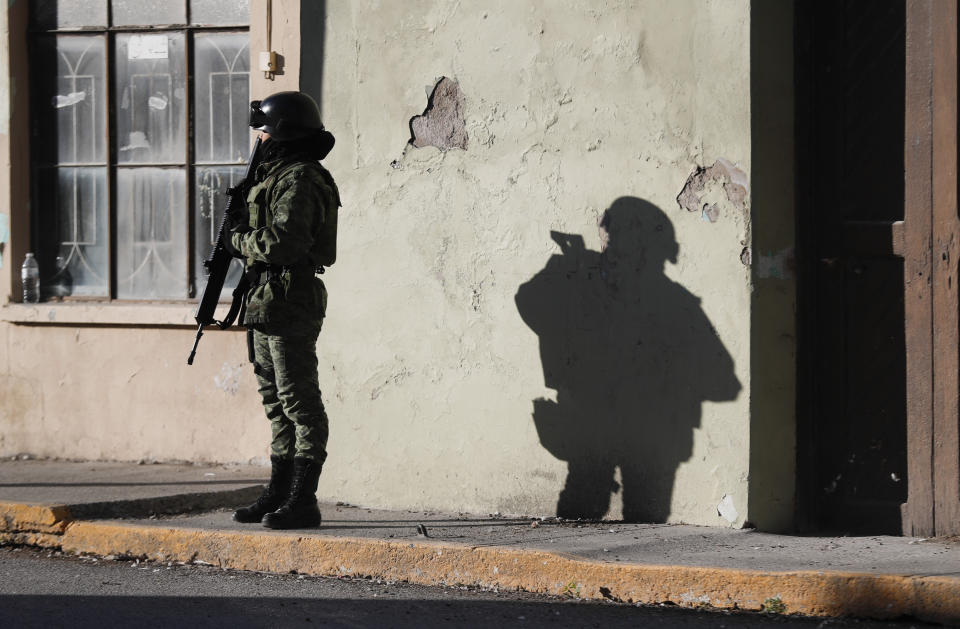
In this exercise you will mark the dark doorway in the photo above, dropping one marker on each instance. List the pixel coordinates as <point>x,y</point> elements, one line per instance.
<point>852,463</point>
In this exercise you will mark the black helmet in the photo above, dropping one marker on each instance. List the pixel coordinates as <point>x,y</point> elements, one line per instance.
<point>286,116</point>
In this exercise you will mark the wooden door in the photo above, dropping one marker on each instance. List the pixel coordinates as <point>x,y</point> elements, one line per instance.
<point>879,248</point>
<point>852,461</point>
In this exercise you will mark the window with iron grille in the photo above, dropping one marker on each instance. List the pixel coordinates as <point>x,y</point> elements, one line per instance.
<point>138,127</point>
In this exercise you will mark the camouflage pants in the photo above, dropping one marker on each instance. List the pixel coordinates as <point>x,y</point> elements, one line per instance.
<point>286,369</point>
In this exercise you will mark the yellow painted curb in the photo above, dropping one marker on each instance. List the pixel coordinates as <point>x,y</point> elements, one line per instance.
<point>19,518</point>
<point>42,540</point>
<point>429,563</point>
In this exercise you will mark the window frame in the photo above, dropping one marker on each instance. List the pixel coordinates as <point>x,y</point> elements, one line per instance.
<point>193,271</point>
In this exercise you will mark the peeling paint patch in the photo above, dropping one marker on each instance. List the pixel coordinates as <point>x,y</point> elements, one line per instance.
<point>710,213</point>
<point>441,124</point>
<point>228,379</point>
<point>780,265</point>
<point>708,189</point>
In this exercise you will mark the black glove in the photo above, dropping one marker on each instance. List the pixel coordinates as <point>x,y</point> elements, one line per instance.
<point>237,216</point>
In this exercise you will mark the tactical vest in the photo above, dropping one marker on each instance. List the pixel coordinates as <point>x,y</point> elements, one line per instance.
<point>323,252</point>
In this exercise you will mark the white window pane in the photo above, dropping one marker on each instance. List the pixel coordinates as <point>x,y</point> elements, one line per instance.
<point>69,88</point>
<point>148,12</point>
<point>220,12</point>
<point>150,98</point>
<point>151,233</point>
<point>73,225</point>
<point>211,201</point>
<point>222,97</point>
<point>51,14</point>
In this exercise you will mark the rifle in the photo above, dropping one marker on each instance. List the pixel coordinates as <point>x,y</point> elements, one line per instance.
<point>569,243</point>
<point>219,261</point>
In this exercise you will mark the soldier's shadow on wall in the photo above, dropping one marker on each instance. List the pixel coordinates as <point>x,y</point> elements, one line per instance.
<point>632,357</point>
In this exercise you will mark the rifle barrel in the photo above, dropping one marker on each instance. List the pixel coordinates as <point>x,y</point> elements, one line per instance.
<point>196,342</point>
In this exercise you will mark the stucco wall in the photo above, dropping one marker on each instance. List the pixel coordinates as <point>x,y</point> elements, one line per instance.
<point>429,369</point>
<point>127,394</point>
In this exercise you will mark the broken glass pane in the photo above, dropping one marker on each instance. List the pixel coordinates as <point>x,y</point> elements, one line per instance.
<point>70,99</point>
<point>148,12</point>
<point>150,98</point>
<point>220,12</point>
<point>52,14</point>
<point>221,89</point>
<point>211,201</point>
<point>73,226</point>
<point>151,233</point>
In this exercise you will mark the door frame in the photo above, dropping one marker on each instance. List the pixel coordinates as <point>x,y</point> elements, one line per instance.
<point>931,250</point>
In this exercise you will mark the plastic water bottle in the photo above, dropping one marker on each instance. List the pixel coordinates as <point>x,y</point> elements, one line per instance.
<point>30,274</point>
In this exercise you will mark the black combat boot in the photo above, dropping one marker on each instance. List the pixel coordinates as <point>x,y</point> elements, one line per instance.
<point>281,473</point>
<point>300,510</point>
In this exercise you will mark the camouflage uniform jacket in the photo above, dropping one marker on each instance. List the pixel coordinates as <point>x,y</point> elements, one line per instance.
<point>293,219</point>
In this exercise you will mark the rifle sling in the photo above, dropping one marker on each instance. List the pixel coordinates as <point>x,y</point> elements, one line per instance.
<point>239,304</point>
<point>253,277</point>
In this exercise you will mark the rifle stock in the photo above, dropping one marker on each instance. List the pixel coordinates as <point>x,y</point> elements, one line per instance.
<point>218,263</point>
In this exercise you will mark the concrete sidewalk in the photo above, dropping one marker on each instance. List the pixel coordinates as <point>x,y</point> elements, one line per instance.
<point>183,513</point>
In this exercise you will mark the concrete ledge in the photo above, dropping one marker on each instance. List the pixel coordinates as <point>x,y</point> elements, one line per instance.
<point>812,593</point>
<point>101,313</point>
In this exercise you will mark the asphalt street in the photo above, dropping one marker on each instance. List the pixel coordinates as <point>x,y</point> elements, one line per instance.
<point>47,589</point>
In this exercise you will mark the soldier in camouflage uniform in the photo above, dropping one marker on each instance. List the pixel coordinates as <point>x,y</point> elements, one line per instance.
<point>289,237</point>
